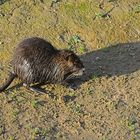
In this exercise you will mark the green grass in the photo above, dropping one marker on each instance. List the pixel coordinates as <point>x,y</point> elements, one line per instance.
<point>11,138</point>
<point>137,9</point>
<point>3,1</point>
<point>38,132</point>
<point>76,44</point>
<point>94,77</point>
<point>35,103</point>
<point>133,128</point>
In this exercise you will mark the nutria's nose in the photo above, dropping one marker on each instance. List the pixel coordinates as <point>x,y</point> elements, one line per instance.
<point>83,69</point>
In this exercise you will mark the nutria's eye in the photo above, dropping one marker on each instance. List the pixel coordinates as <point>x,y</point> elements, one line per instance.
<point>76,61</point>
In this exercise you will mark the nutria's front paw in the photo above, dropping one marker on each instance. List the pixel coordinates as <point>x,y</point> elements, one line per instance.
<point>68,98</point>
<point>71,86</point>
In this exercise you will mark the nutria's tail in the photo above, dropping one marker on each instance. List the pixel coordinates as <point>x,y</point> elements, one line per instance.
<point>7,82</point>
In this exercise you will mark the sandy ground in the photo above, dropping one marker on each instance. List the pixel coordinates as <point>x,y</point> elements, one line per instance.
<point>106,103</point>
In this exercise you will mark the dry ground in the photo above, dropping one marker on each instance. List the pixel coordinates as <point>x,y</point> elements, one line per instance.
<point>106,103</point>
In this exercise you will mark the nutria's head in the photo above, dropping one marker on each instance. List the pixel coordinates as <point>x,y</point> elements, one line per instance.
<point>71,64</point>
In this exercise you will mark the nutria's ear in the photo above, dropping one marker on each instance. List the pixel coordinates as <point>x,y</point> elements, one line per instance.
<point>69,56</point>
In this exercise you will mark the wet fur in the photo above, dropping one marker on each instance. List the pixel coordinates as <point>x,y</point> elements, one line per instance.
<point>36,61</point>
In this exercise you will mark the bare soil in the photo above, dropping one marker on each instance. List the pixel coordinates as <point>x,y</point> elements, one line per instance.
<point>106,103</point>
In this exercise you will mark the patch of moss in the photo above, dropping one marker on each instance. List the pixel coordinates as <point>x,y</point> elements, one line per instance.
<point>3,1</point>
<point>80,12</point>
<point>83,7</point>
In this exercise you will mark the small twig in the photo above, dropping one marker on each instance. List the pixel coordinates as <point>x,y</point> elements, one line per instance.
<point>105,14</point>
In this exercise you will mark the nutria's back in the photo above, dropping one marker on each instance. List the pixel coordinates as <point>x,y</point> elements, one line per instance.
<point>35,61</point>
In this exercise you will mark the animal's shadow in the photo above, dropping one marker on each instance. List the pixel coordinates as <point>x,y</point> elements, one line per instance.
<point>120,59</point>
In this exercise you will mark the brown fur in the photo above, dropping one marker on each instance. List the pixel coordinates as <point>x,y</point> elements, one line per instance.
<point>36,61</point>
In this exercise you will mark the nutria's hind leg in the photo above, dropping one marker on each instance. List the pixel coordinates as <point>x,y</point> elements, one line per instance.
<point>36,88</point>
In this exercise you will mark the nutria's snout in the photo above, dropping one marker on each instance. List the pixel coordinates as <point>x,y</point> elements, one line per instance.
<point>81,71</point>
<point>82,68</point>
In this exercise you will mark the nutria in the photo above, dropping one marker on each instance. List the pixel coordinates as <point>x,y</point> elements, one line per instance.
<point>36,61</point>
